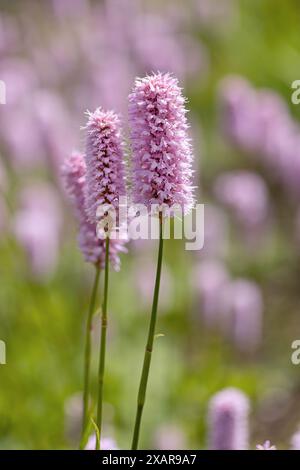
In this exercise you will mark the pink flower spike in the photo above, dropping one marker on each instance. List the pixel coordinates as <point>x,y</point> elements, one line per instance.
<point>161,149</point>
<point>105,180</point>
<point>93,249</point>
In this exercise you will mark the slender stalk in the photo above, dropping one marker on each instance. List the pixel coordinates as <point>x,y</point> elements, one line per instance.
<point>87,354</point>
<point>149,345</point>
<point>103,344</point>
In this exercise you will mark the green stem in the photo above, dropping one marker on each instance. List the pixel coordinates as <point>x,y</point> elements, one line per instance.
<point>87,354</point>
<point>103,344</point>
<point>149,345</point>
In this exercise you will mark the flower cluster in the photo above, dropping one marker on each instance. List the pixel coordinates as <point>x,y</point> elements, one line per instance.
<point>161,150</point>
<point>161,161</point>
<point>104,162</point>
<point>93,249</point>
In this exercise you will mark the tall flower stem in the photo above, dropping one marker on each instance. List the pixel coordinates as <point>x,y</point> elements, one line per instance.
<point>149,345</point>
<point>87,353</point>
<point>103,344</point>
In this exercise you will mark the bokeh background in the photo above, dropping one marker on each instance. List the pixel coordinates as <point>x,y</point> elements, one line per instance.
<point>228,313</point>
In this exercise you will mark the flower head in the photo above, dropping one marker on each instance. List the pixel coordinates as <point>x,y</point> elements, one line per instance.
<point>105,180</point>
<point>228,420</point>
<point>93,249</point>
<point>160,146</point>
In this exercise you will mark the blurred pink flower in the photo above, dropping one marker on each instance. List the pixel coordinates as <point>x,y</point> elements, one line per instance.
<point>9,34</point>
<point>159,48</point>
<point>144,275</point>
<point>18,90</point>
<point>246,194</point>
<point>69,8</point>
<point>265,446</point>
<point>216,232</point>
<point>23,153</point>
<point>210,279</point>
<point>295,440</point>
<point>54,126</point>
<point>228,420</point>
<point>37,227</point>
<point>214,14</point>
<point>259,122</point>
<point>169,437</point>
<point>243,314</point>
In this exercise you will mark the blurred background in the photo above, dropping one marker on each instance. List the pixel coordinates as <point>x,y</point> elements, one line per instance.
<point>228,313</point>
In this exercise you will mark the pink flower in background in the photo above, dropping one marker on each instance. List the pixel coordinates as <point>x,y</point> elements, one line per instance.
<point>93,249</point>
<point>18,124</point>
<point>144,274</point>
<point>65,8</point>
<point>105,81</point>
<point>9,34</point>
<point>170,437</point>
<point>246,194</point>
<point>210,280</point>
<point>295,440</point>
<point>252,118</point>
<point>161,150</point>
<point>37,227</point>
<point>107,443</point>
<point>243,314</point>
<point>151,39</point>
<point>228,420</point>
<point>17,90</point>
<point>259,123</point>
<point>265,446</point>
<point>119,18</point>
<point>131,40</point>
<point>105,174</point>
<point>159,48</point>
<point>17,120</point>
<point>238,105</point>
<point>216,232</point>
<point>53,124</point>
<point>214,14</point>
<point>272,115</point>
